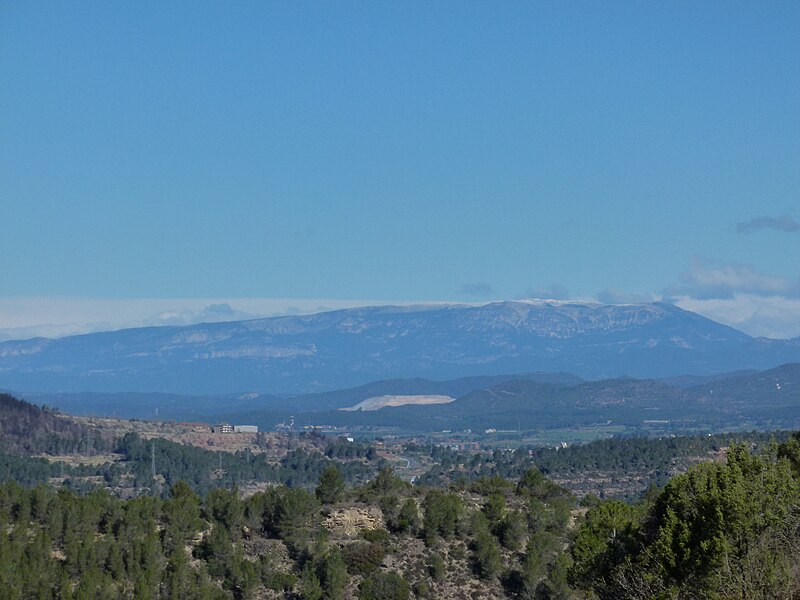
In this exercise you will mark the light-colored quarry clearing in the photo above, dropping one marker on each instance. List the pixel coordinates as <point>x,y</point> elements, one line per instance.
<point>378,402</point>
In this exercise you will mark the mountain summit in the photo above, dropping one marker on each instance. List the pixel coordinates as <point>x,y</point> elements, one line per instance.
<point>349,347</point>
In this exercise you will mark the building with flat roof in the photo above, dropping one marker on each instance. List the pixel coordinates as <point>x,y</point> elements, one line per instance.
<point>245,428</point>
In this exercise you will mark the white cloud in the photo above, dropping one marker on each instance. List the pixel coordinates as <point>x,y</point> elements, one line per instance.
<point>707,279</point>
<point>213,313</point>
<point>740,296</point>
<point>762,316</point>
<point>783,223</point>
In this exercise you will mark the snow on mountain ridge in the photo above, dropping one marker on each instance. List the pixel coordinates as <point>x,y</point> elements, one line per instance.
<point>351,346</point>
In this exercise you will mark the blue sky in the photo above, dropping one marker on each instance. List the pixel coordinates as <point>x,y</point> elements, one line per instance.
<point>206,153</point>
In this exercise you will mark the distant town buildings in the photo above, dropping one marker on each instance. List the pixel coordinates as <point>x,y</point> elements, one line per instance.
<point>228,428</point>
<point>245,428</point>
<point>285,426</point>
<point>473,446</point>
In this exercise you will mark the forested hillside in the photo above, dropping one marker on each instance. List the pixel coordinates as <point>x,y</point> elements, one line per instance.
<point>380,541</point>
<point>764,400</point>
<point>38,445</point>
<point>615,468</point>
<point>29,429</point>
<point>721,530</point>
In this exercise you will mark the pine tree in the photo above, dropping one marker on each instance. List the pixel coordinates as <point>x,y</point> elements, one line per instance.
<point>331,485</point>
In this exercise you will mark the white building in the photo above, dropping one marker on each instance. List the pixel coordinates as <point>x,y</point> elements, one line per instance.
<point>245,428</point>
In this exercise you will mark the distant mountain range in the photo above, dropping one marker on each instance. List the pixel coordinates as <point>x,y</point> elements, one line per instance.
<point>344,348</point>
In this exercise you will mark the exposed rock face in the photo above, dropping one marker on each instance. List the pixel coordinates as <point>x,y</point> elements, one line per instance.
<point>349,521</point>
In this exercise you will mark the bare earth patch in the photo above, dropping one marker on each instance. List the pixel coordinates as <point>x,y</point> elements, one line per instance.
<point>378,402</point>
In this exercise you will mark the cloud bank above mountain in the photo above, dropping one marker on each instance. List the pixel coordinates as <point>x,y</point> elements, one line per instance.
<point>24,318</point>
<point>760,304</point>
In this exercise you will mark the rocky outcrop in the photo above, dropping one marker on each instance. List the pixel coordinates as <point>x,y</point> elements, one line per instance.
<point>349,521</point>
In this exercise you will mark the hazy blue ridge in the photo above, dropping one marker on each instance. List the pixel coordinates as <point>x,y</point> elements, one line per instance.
<point>347,348</point>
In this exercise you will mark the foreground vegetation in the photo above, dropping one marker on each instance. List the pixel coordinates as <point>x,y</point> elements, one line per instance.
<point>722,530</point>
<point>332,520</point>
<point>285,542</point>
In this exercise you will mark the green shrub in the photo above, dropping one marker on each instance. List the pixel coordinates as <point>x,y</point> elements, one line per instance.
<point>362,558</point>
<point>280,581</point>
<point>384,586</point>
<point>436,566</point>
<point>377,536</point>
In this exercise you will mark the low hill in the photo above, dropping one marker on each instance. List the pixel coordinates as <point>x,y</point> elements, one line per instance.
<point>142,405</point>
<point>180,407</point>
<point>775,388</point>
<point>752,400</point>
<point>762,400</point>
<point>27,429</point>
